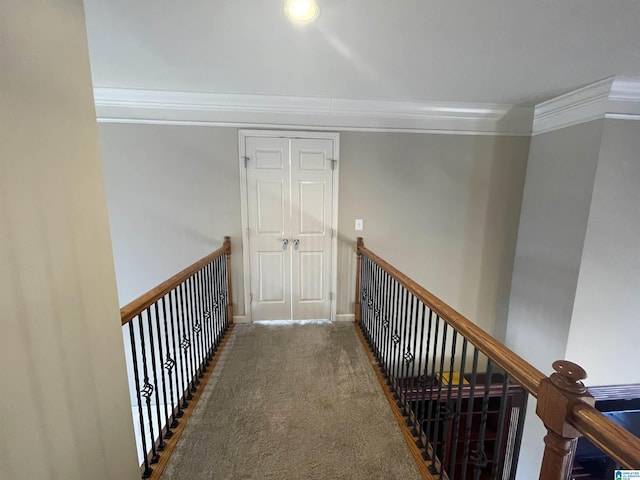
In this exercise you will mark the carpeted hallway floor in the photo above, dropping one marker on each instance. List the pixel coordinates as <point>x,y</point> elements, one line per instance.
<point>293,401</point>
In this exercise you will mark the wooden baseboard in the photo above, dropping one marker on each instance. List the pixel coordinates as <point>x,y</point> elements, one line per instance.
<point>416,452</point>
<point>171,443</point>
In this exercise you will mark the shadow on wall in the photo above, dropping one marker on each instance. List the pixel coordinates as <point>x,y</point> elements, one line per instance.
<point>499,193</point>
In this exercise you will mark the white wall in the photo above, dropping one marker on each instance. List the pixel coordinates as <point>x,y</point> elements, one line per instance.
<point>64,409</point>
<point>605,328</point>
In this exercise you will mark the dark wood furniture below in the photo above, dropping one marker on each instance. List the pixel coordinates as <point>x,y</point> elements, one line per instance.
<point>446,421</point>
<point>620,403</point>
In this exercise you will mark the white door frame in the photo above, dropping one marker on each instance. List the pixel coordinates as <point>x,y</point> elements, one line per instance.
<point>242,134</point>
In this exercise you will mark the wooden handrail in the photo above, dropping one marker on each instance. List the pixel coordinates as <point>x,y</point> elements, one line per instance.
<point>518,368</point>
<point>608,436</point>
<point>143,302</point>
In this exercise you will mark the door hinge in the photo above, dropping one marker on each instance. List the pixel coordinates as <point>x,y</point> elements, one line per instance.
<point>331,296</point>
<point>246,161</point>
<point>333,233</point>
<point>251,297</point>
<point>333,163</point>
<point>248,232</point>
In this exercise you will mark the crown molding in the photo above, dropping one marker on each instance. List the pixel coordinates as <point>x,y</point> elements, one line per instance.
<point>614,97</point>
<point>187,108</point>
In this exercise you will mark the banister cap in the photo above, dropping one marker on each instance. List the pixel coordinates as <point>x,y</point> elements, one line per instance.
<point>569,376</point>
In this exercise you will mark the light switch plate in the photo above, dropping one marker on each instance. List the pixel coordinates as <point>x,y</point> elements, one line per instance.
<point>359,224</point>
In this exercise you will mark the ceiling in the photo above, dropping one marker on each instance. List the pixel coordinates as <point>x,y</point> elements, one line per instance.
<point>492,51</point>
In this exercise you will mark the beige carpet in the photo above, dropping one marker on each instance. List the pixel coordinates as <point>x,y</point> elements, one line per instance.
<point>292,402</point>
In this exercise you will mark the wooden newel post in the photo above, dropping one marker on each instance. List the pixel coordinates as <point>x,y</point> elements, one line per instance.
<point>556,396</point>
<point>359,245</point>
<point>227,246</point>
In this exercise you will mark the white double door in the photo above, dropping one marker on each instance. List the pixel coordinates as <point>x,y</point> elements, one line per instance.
<point>289,186</point>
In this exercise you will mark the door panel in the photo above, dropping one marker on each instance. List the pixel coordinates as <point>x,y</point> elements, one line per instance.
<point>290,200</point>
<point>271,277</point>
<point>311,283</point>
<point>312,213</point>
<point>311,186</point>
<point>268,207</point>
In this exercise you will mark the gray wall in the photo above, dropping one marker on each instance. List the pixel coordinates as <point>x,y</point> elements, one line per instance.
<point>443,208</point>
<point>173,193</point>
<point>64,406</point>
<point>605,327</point>
<point>555,209</point>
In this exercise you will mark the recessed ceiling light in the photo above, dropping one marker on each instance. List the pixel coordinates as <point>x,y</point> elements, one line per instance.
<point>302,11</point>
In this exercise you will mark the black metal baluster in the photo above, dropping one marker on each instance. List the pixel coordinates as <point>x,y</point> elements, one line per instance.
<point>220,304</point>
<point>364,311</point>
<point>448,412</point>
<point>426,383</point>
<point>184,347</point>
<point>407,356</point>
<point>397,365</point>
<point>208,314</point>
<point>168,364</point>
<point>227,300</point>
<point>402,312</point>
<point>435,443</point>
<point>376,312</point>
<point>216,321</point>
<point>480,460</point>
<point>522,413</point>
<point>386,325</point>
<point>197,372</point>
<point>162,377</point>
<point>177,363</point>
<point>204,308</point>
<point>192,334</point>
<point>432,394</point>
<point>369,302</point>
<point>497,450</point>
<point>220,313</point>
<point>395,339</point>
<point>134,355</point>
<point>147,389</point>
<point>204,360</point>
<point>189,341</point>
<point>379,315</point>
<point>470,405</point>
<point>456,428</point>
<point>214,305</point>
<point>412,361</point>
<point>417,430</point>
<point>198,328</point>
<point>161,443</point>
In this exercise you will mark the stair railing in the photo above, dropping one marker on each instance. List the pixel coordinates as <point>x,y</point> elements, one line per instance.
<point>171,335</point>
<point>463,394</point>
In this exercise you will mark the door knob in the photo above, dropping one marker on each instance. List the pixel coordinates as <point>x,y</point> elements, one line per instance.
<point>285,242</point>
<point>296,243</point>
